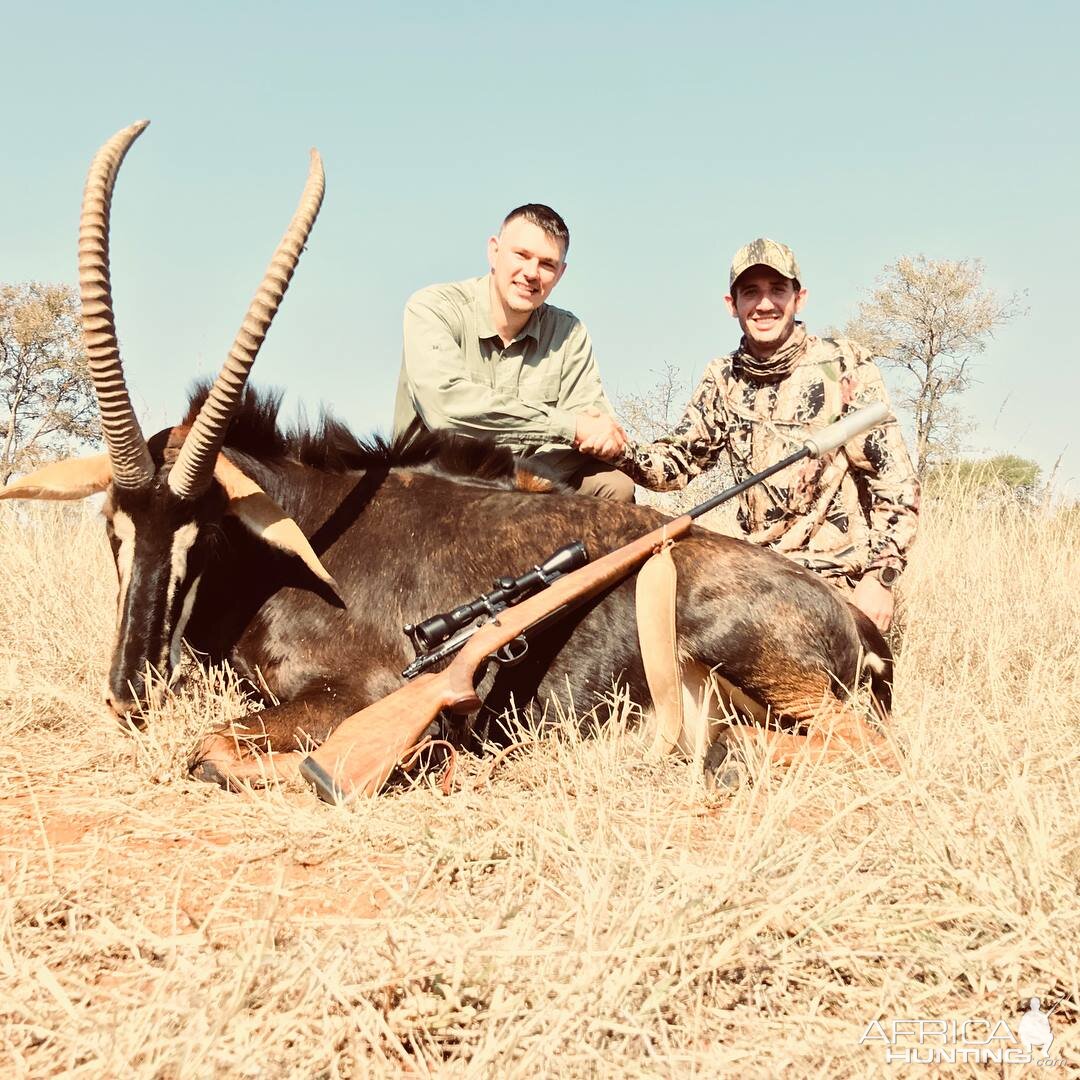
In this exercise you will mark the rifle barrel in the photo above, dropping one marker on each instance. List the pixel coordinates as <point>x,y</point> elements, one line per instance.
<point>815,445</point>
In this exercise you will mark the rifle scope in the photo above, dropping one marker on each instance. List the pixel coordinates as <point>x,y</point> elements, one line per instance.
<point>508,591</point>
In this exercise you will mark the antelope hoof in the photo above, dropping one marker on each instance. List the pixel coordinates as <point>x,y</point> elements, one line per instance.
<point>211,761</point>
<point>209,773</point>
<point>722,772</point>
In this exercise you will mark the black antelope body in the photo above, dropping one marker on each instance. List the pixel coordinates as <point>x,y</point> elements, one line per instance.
<point>298,557</point>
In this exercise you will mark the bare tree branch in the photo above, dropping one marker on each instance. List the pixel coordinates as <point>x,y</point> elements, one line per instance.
<point>930,318</point>
<point>649,416</point>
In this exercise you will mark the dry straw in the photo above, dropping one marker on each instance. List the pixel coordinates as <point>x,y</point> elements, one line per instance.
<point>582,914</point>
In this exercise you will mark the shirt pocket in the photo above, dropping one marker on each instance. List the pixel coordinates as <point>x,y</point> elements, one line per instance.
<point>542,386</point>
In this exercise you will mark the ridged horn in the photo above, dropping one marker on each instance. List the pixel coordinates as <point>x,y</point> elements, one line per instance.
<point>131,464</point>
<point>194,468</point>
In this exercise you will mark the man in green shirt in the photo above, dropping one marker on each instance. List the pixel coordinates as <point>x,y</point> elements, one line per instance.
<point>489,357</point>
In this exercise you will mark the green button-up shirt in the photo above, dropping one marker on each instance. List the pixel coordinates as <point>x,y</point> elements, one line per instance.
<point>456,373</point>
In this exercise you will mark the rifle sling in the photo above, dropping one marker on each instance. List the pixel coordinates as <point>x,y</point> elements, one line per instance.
<point>656,586</point>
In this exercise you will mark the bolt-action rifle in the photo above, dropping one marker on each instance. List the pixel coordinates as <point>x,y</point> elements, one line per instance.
<point>364,748</point>
<point>436,638</point>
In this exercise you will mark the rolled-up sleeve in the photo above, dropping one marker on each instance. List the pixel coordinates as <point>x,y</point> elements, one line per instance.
<point>445,397</point>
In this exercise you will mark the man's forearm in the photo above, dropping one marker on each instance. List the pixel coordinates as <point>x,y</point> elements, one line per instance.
<point>894,519</point>
<point>658,466</point>
<point>478,411</point>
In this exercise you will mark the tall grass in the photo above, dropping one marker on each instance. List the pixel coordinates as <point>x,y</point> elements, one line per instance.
<point>577,912</point>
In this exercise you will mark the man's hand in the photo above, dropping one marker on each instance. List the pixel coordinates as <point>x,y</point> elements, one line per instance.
<point>599,435</point>
<point>873,599</point>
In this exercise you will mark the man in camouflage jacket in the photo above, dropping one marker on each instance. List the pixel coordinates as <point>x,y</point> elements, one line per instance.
<point>850,516</point>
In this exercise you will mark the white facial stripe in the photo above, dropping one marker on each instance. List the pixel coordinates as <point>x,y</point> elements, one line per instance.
<point>124,530</point>
<point>875,663</point>
<point>181,626</point>
<point>183,539</point>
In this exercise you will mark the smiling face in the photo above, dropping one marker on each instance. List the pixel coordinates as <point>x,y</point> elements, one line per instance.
<point>526,264</point>
<point>765,303</point>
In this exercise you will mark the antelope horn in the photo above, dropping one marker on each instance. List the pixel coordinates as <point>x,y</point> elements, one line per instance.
<point>194,468</point>
<point>132,466</point>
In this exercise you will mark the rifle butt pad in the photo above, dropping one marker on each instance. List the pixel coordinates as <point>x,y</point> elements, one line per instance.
<point>322,782</point>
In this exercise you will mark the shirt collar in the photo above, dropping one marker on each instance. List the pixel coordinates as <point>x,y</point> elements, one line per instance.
<point>485,328</point>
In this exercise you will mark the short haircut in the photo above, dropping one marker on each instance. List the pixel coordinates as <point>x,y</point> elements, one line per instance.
<point>545,218</point>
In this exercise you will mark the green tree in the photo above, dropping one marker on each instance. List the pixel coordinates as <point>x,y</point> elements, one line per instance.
<point>1003,474</point>
<point>47,400</point>
<point>929,318</point>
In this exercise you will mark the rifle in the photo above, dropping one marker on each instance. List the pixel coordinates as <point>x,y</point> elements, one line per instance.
<point>362,751</point>
<point>439,636</point>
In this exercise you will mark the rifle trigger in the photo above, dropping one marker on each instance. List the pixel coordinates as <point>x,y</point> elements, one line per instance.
<point>513,652</point>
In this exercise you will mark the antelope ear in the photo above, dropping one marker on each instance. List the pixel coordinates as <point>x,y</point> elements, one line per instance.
<point>71,478</point>
<point>259,514</point>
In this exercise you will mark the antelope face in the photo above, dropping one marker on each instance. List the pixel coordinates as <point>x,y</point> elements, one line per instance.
<point>164,509</point>
<point>161,545</point>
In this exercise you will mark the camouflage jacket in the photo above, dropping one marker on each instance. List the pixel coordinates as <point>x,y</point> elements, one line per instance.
<point>852,511</point>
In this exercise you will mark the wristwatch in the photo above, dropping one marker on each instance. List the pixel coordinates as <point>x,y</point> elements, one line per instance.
<point>888,576</point>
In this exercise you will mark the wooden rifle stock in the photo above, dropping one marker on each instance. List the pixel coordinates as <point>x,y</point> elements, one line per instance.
<point>363,749</point>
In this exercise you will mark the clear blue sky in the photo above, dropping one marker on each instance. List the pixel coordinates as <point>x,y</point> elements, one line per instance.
<point>667,135</point>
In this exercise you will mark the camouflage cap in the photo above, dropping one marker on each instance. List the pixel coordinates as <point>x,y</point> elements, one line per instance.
<point>764,252</point>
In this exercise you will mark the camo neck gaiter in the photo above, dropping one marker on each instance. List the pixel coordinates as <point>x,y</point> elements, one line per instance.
<point>778,366</point>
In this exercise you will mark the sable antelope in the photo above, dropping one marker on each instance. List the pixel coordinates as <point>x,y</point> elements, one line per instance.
<point>298,558</point>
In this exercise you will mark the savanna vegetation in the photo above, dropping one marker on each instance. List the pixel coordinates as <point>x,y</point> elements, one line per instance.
<point>572,909</point>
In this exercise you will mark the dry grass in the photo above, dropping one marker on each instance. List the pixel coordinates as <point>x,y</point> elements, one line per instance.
<point>584,913</point>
